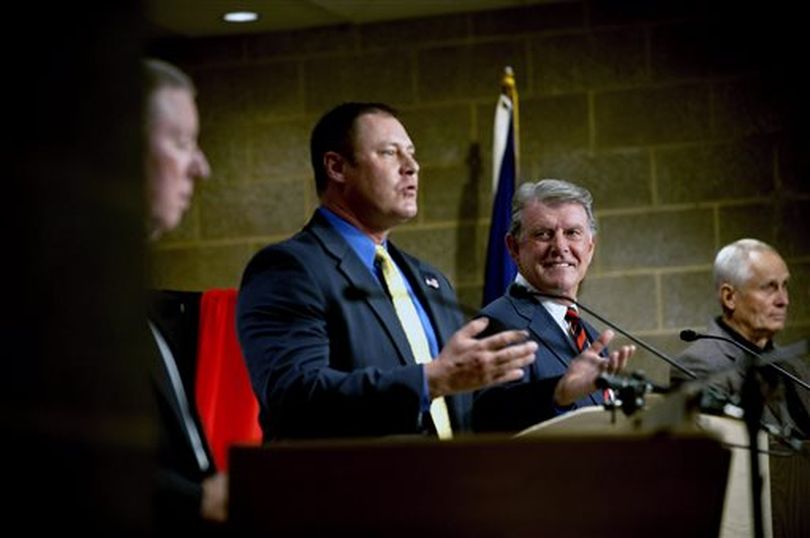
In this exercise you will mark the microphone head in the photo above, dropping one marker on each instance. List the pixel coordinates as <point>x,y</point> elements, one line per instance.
<point>354,293</point>
<point>688,335</point>
<point>619,382</point>
<point>520,292</point>
<point>495,326</point>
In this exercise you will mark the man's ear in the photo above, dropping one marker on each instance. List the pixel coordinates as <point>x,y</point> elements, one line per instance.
<point>728,297</point>
<point>335,165</point>
<point>513,246</point>
<point>592,248</point>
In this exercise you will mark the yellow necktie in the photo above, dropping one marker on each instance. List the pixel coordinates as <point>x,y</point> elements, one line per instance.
<point>409,319</point>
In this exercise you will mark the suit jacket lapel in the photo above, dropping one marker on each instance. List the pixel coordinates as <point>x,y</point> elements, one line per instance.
<point>428,294</point>
<point>163,385</point>
<point>551,336</point>
<point>545,329</point>
<point>437,302</point>
<point>358,277</point>
<point>730,351</point>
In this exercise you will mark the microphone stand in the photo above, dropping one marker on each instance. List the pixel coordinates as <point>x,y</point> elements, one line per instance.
<point>688,335</point>
<point>612,325</point>
<point>753,406</point>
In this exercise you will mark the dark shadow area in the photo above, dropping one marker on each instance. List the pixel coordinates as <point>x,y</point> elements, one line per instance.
<point>469,211</point>
<point>75,402</point>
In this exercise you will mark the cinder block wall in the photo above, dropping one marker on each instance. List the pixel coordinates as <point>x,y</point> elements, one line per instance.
<point>685,123</point>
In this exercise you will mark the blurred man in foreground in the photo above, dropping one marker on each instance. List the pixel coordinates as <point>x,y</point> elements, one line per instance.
<point>191,494</point>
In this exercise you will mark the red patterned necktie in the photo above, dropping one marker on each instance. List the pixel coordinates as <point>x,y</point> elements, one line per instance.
<point>577,330</point>
<point>581,341</point>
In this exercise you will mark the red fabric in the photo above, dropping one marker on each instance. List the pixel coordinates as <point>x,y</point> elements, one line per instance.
<point>225,401</point>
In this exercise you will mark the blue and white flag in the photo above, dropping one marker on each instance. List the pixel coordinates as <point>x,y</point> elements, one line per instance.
<point>500,269</point>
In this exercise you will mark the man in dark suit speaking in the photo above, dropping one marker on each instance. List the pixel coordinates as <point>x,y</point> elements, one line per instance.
<point>552,239</point>
<point>345,335</point>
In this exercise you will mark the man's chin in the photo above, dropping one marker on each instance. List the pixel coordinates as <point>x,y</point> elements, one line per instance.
<point>557,288</point>
<point>407,213</point>
<point>776,327</point>
<point>170,222</point>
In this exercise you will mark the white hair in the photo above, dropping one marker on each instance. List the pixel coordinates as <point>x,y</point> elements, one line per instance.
<point>551,192</point>
<point>733,263</point>
<point>159,75</point>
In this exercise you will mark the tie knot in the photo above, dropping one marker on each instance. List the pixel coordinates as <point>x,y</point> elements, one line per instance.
<point>571,315</point>
<point>380,252</point>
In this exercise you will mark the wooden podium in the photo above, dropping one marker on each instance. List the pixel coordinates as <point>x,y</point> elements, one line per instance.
<point>674,413</point>
<point>559,485</point>
<point>790,492</point>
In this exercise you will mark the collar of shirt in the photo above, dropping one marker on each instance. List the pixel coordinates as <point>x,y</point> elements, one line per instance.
<point>361,244</point>
<point>555,309</point>
<point>365,249</point>
<point>741,339</point>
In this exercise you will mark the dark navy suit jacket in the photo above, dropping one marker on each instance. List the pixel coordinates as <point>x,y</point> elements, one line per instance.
<point>178,495</point>
<point>326,353</point>
<point>722,365</point>
<point>518,405</point>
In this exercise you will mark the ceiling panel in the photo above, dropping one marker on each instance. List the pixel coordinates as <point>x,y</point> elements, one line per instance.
<point>198,18</point>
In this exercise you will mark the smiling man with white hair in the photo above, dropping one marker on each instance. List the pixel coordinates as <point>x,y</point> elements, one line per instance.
<point>552,239</point>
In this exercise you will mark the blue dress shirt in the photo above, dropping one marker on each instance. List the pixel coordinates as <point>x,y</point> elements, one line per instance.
<point>365,249</point>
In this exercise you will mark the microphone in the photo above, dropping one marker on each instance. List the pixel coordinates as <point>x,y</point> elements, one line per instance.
<point>356,293</point>
<point>520,291</point>
<point>637,379</point>
<point>629,390</point>
<point>688,335</point>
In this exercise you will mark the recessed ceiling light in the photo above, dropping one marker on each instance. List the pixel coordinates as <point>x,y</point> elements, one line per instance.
<point>240,16</point>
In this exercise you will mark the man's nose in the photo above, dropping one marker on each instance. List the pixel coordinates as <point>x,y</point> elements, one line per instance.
<point>200,167</point>
<point>782,297</point>
<point>409,164</point>
<point>559,241</point>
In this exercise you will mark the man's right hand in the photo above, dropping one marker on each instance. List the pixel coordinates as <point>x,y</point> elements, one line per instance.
<point>467,363</point>
<point>580,378</point>
<point>214,505</point>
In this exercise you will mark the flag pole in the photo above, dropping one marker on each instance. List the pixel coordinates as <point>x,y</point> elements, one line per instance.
<point>500,268</point>
<point>509,89</point>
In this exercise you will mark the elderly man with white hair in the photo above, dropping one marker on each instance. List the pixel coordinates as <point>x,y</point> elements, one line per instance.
<point>751,281</point>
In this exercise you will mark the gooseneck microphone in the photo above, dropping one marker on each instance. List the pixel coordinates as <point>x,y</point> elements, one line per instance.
<point>688,335</point>
<point>520,291</point>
